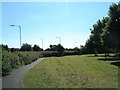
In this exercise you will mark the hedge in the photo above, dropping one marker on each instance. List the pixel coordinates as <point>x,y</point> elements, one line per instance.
<point>49,53</point>
<point>9,61</point>
<point>13,60</point>
<point>55,53</point>
<point>28,57</point>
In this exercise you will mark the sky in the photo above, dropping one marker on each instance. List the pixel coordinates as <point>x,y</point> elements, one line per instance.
<point>71,21</point>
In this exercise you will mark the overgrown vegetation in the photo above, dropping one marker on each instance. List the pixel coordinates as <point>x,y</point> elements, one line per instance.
<point>84,71</point>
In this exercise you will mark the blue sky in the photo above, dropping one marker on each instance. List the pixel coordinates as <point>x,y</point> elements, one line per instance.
<point>69,20</point>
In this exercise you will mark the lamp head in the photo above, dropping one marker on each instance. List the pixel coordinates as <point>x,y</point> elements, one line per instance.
<point>12,25</point>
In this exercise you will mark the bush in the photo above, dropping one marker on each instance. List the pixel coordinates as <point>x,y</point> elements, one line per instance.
<point>12,60</point>
<point>28,57</point>
<point>9,62</point>
<point>55,53</point>
<point>49,53</point>
<point>69,53</point>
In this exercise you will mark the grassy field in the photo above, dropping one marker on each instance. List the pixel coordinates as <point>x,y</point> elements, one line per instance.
<point>83,71</point>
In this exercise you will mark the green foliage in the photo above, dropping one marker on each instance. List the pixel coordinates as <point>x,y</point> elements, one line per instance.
<point>60,49</point>
<point>28,57</point>
<point>55,53</point>
<point>26,47</point>
<point>4,47</point>
<point>94,42</point>
<point>36,48</point>
<point>13,60</point>
<point>111,34</point>
<point>77,51</point>
<point>105,35</point>
<point>53,47</point>
<point>9,61</point>
<point>49,53</point>
<point>69,53</point>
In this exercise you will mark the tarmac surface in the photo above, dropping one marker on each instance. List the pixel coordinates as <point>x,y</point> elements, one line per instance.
<point>15,78</point>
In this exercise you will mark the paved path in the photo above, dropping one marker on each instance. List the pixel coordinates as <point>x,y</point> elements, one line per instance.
<point>14,80</point>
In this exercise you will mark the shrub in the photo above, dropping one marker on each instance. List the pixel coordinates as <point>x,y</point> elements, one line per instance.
<point>69,53</point>
<point>9,62</point>
<point>12,60</point>
<point>28,57</point>
<point>49,53</point>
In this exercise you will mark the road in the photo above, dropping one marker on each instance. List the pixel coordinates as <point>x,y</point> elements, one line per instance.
<point>14,80</point>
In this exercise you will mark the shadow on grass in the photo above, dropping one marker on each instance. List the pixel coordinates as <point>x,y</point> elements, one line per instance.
<point>109,59</point>
<point>116,63</point>
<point>97,56</point>
<point>108,56</point>
<point>112,59</point>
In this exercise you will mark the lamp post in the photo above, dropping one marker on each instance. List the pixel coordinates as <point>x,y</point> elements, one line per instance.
<point>20,31</point>
<point>42,42</point>
<point>75,44</point>
<point>59,39</point>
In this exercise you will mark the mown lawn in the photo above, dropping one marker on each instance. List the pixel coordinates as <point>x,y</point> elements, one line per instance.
<point>83,71</point>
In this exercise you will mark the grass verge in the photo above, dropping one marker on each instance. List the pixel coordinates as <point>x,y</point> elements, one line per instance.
<point>83,71</point>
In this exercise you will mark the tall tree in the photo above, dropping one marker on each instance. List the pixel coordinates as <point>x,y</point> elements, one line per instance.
<point>94,42</point>
<point>111,32</point>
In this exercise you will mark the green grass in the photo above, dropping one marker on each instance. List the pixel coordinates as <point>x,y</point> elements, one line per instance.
<point>72,72</point>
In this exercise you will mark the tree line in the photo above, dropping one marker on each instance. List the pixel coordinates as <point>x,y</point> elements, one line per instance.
<point>24,47</point>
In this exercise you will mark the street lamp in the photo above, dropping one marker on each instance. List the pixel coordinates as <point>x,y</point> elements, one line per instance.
<point>20,31</point>
<point>59,39</point>
<point>42,42</point>
<point>75,44</point>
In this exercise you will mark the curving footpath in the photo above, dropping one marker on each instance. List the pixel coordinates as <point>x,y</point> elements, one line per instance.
<point>14,80</point>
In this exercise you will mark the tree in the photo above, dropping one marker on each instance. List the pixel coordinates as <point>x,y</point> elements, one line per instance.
<point>94,43</point>
<point>4,47</point>
<point>77,51</point>
<point>111,32</point>
<point>60,49</point>
<point>53,47</point>
<point>89,46</point>
<point>36,48</point>
<point>26,47</point>
<point>105,35</point>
